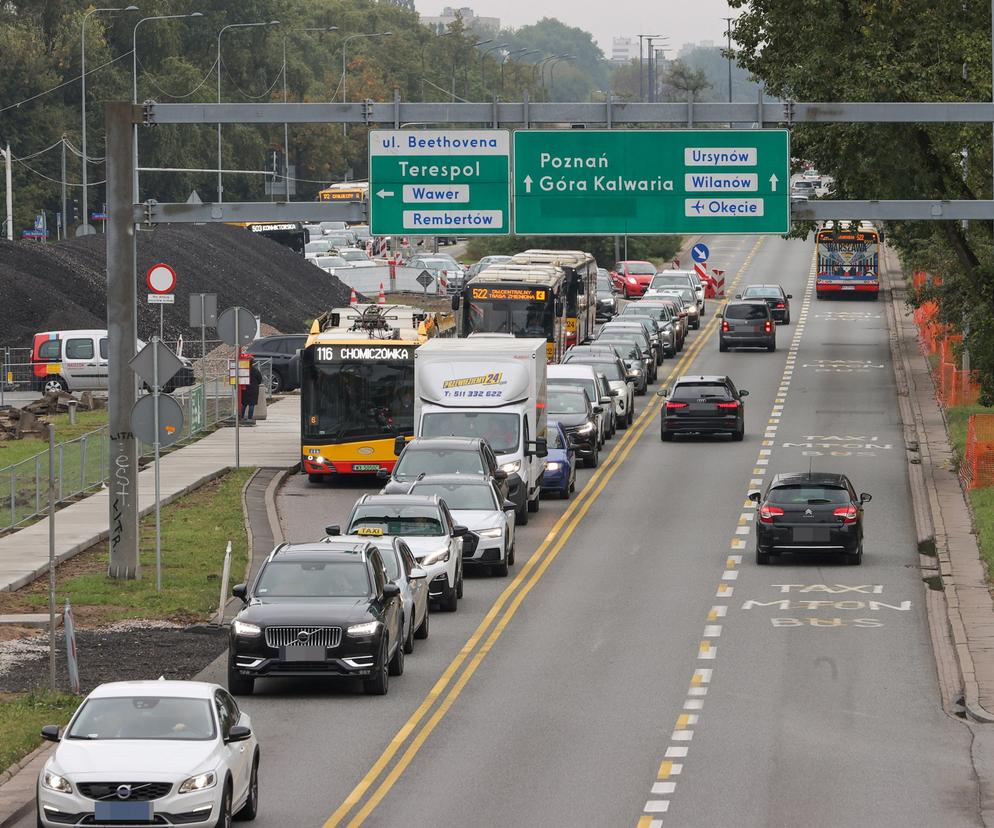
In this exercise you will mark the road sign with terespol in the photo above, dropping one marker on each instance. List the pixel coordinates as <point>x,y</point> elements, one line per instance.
<point>644,182</point>
<point>439,182</point>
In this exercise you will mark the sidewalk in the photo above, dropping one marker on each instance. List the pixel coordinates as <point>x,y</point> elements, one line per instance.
<point>942,515</point>
<point>273,442</point>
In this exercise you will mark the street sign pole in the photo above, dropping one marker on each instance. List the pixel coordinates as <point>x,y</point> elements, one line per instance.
<point>51,556</point>
<point>235,392</point>
<point>155,446</point>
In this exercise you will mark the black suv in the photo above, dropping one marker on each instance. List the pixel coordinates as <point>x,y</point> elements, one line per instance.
<point>702,405</point>
<point>578,416</point>
<point>747,323</point>
<point>318,609</point>
<point>281,350</point>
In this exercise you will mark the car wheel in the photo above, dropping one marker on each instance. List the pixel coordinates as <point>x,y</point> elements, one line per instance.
<point>379,684</point>
<point>592,461</point>
<point>53,385</point>
<point>855,558</point>
<point>276,382</point>
<point>251,807</point>
<point>224,818</point>
<point>500,570</point>
<point>510,555</point>
<point>697,325</point>
<point>762,558</point>
<point>239,685</point>
<point>771,347</point>
<point>786,319</point>
<point>564,493</point>
<point>738,435</point>
<point>521,516</point>
<point>422,631</point>
<point>317,479</point>
<point>533,505</point>
<point>459,583</point>
<point>409,640</point>
<point>819,295</point>
<point>722,346</point>
<point>396,667</point>
<point>666,436</point>
<point>450,603</point>
<point>640,392</point>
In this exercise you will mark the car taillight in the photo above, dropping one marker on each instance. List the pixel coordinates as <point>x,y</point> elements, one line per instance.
<point>768,326</point>
<point>732,404</point>
<point>671,405</point>
<point>847,513</point>
<point>767,513</point>
<point>780,304</point>
<point>724,326</point>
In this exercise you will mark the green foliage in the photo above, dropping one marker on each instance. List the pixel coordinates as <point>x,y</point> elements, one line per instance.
<point>654,248</point>
<point>22,717</point>
<point>684,83</point>
<point>914,50</point>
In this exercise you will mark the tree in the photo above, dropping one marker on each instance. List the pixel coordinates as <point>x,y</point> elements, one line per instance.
<point>681,83</point>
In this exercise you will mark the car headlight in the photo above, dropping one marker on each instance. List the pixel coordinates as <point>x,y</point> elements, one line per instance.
<point>632,280</point>
<point>496,532</point>
<point>54,782</point>
<point>552,466</point>
<point>511,468</point>
<point>437,556</point>
<point>586,428</point>
<point>634,374</point>
<point>200,782</point>
<point>361,630</point>
<point>245,629</point>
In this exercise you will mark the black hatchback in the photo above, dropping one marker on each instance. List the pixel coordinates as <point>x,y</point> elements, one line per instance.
<point>702,405</point>
<point>282,350</point>
<point>775,296</point>
<point>810,512</point>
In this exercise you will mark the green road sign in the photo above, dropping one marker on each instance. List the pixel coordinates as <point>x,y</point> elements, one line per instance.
<point>614,182</point>
<point>439,182</point>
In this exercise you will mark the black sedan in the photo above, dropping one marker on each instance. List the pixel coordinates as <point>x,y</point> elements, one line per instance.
<point>702,405</point>
<point>775,296</point>
<point>607,304</point>
<point>572,408</point>
<point>318,609</point>
<point>810,512</point>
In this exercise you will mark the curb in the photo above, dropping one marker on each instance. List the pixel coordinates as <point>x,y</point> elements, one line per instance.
<point>925,502</point>
<point>18,768</point>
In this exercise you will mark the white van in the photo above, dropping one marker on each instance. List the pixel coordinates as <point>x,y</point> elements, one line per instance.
<point>77,361</point>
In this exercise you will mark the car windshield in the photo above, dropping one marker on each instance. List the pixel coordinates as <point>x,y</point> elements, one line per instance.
<point>501,431</point>
<point>608,367</point>
<point>761,292</point>
<point>603,284</point>
<point>687,294</point>
<point>144,717</point>
<point>410,520</point>
<point>807,494</point>
<point>566,402</point>
<point>355,256</point>
<point>626,350</point>
<point>700,390</point>
<point>587,385</point>
<point>661,280</point>
<point>459,495</point>
<point>553,440</point>
<point>330,261</point>
<point>438,461</point>
<point>313,579</point>
<point>658,313</point>
<point>747,311</point>
<point>640,268</point>
<point>637,337</point>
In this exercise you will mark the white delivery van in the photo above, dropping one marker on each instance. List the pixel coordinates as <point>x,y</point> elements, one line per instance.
<point>493,388</point>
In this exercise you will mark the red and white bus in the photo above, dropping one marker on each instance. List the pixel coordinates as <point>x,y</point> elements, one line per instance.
<point>848,259</point>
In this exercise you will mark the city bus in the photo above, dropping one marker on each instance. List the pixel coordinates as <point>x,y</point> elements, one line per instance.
<point>345,191</point>
<point>357,386</point>
<point>581,288</point>
<point>848,259</point>
<point>515,299</point>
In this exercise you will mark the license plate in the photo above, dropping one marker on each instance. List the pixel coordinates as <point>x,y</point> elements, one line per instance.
<point>365,467</point>
<point>123,812</point>
<point>849,287</point>
<point>304,652</point>
<point>806,534</point>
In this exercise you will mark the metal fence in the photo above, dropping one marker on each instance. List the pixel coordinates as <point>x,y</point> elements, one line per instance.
<point>81,465</point>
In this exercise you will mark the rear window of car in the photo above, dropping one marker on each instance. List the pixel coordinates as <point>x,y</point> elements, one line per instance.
<point>807,494</point>
<point>609,368</point>
<point>677,279</point>
<point>640,269</point>
<point>50,349</point>
<point>747,311</point>
<point>103,348</point>
<point>626,350</point>
<point>567,401</point>
<point>762,292</point>
<point>699,390</point>
<point>79,348</point>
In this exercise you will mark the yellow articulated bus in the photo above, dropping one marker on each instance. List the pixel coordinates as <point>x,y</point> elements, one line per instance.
<point>581,288</point>
<point>346,191</point>
<point>357,386</point>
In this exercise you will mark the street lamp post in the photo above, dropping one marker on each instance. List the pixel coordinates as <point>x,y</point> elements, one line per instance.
<point>503,61</point>
<point>552,71</point>
<point>134,81</point>
<point>220,186</point>
<point>728,32</point>
<point>641,84</point>
<point>465,74</point>
<point>286,129</point>
<point>85,227</point>
<point>483,65</point>
<point>345,68</point>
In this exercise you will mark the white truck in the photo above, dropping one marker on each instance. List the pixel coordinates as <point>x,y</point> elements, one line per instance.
<point>494,388</point>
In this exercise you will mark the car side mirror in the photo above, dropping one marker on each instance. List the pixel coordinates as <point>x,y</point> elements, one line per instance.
<point>455,301</point>
<point>755,497</point>
<point>239,733</point>
<point>606,399</point>
<point>541,447</point>
<point>390,590</point>
<point>509,506</point>
<point>458,531</point>
<point>240,591</point>
<point>743,393</point>
<point>661,392</point>
<point>738,295</point>
<point>382,474</point>
<point>598,409</point>
<point>615,392</point>
<point>398,444</point>
<point>718,315</point>
<point>50,733</point>
<point>865,497</point>
<point>333,530</point>
<point>500,474</point>
<point>417,574</point>
<point>790,295</point>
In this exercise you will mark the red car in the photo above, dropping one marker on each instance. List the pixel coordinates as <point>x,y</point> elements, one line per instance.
<point>633,277</point>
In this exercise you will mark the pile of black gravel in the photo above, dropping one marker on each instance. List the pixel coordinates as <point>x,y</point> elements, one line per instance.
<point>62,285</point>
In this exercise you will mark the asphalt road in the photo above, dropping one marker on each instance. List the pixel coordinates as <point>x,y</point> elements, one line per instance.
<point>638,665</point>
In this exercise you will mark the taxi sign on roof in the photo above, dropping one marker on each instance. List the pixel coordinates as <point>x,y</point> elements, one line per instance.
<point>375,531</point>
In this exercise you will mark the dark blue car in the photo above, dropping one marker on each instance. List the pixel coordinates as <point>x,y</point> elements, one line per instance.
<point>560,464</point>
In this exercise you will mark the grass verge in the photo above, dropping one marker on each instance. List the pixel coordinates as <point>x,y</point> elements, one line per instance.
<point>22,716</point>
<point>195,531</point>
<point>14,451</point>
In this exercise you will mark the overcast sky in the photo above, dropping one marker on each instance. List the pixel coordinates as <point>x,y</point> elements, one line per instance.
<point>683,21</point>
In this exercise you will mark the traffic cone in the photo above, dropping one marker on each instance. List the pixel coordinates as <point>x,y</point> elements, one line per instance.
<point>353,299</point>
<point>382,297</point>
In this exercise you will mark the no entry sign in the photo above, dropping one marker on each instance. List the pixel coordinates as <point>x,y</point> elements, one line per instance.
<point>161,278</point>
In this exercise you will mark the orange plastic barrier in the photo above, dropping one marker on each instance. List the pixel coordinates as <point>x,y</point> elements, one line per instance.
<point>977,469</point>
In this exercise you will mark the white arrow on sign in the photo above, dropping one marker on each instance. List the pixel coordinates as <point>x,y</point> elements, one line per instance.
<point>773,182</point>
<point>385,193</point>
<point>528,183</point>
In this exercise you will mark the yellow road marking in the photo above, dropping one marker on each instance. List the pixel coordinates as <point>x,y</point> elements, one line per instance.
<point>645,821</point>
<point>665,769</point>
<point>539,562</point>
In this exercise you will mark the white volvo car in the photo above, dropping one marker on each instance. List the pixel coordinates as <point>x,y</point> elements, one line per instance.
<point>151,753</point>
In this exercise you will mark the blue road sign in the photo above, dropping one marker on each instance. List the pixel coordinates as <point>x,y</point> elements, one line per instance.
<point>699,253</point>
